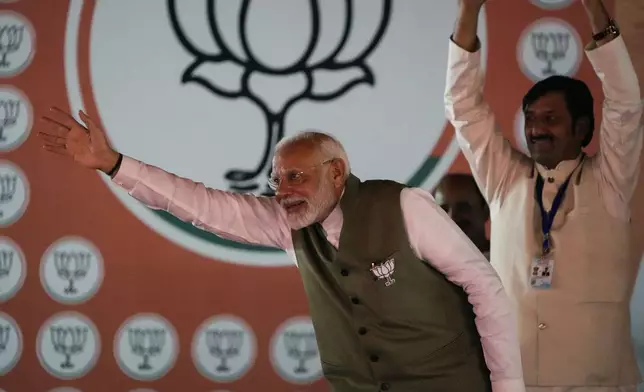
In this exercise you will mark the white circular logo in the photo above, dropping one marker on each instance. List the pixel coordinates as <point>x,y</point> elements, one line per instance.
<point>519,132</point>
<point>10,343</point>
<point>65,389</point>
<point>146,347</point>
<point>18,39</point>
<point>551,4</point>
<point>13,268</point>
<point>71,270</point>
<point>224,348</point>
<point>246,91</point>
<point>14,193</point>
<point>16,118</point>
<point>549,47</point>
<point>294,351</point>
<point>68,345</point>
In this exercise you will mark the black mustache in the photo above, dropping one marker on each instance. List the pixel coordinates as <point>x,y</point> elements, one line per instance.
<point>535,138</point>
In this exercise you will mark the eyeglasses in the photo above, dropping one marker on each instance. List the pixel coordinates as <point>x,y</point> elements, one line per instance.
<point>293,177</point>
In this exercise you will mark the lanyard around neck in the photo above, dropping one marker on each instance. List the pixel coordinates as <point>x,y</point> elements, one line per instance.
<point>548,218</point>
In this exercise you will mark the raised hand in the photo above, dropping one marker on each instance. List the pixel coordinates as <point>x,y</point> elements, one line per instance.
<point>86,144</point>
<point>467,24</point>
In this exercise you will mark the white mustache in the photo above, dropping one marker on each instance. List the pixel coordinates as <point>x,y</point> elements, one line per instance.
<point>292,201</point>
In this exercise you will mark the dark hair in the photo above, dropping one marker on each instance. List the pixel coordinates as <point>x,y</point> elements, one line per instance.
<point>467,178</point>
<point>579,100</point>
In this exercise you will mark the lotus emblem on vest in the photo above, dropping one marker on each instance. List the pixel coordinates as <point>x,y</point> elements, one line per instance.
<point>384,270</point>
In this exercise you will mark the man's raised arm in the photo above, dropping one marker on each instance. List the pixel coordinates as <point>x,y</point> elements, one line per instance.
<point>492,159</point>
<point>243,218</point>
<point>620,134</point>
<point>239,217</point>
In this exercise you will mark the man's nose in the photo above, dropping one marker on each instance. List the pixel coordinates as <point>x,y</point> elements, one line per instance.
<point>283,188</point>
<point>537,127</point>
<point>282,191</point>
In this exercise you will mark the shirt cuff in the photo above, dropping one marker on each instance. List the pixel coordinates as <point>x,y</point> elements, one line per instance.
<point>458,53</point>
<point>511,385</point>
<point>127,175</point>
<point>608,52</point>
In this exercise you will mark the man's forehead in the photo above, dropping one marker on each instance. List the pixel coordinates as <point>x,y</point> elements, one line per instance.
<point>548,102</point>
<point>298,154</point>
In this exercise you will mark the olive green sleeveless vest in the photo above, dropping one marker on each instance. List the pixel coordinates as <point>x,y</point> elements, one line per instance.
<point>409,330</point>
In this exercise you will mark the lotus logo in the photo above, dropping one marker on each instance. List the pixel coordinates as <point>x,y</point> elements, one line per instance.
<point>17,43</point>
<point>13,268</point>
<point>294,351</point>
<point>10,343</point>
<point>323,53</point>
<point>146,347</point>
<point>16,118</point>
<point>224,348</point>
<point>71,270</point>
<point>68,345</point>
<point>216,84</point>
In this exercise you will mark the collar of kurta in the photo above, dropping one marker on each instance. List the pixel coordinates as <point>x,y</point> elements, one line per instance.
<point>559,174</point>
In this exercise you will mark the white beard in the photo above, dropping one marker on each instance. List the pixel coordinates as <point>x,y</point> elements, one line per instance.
<point>319,204</point>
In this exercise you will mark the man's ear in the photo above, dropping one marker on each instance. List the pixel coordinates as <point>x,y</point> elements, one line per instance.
<point>581,129</point>
<point>337,172</point>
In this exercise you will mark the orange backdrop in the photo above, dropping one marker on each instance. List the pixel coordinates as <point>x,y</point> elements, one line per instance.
<point>144,272</point>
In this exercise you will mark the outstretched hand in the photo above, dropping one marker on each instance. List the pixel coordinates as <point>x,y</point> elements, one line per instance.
<point>86,144</point>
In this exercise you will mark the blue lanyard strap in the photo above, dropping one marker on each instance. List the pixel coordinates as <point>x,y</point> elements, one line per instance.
<point>548,218</point>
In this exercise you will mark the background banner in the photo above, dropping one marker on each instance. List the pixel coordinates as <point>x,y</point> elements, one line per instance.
<point>99,293</point>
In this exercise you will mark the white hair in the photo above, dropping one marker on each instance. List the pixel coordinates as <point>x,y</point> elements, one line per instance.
<point>327,146</point>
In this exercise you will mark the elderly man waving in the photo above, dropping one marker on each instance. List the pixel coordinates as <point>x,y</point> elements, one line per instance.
<point>400,299</point>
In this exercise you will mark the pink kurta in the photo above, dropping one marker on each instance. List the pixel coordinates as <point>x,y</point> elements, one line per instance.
<point>432,235</point>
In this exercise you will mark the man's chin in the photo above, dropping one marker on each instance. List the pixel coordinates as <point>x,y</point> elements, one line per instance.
<point>542,155</point>
<point>296,225</point>
<point>544,160</point>
<point>299,222</point>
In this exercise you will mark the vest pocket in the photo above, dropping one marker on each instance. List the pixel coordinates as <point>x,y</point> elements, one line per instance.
<point>353,377</point>
<point>452,355</point>
<point>332,370</point>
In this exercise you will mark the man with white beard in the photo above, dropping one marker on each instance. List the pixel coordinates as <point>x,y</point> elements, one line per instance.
<point>387,274</point>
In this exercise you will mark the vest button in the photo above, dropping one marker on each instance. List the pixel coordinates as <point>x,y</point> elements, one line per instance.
<point>384,386</point>
<point>344,272</point>
<point>355,300</point>
<point>362,330</point>
<point>542,326</point>
<point>374,358</point>
<point>551,179</point>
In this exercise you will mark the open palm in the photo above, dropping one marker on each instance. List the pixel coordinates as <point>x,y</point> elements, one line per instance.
<point>85,144</point>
